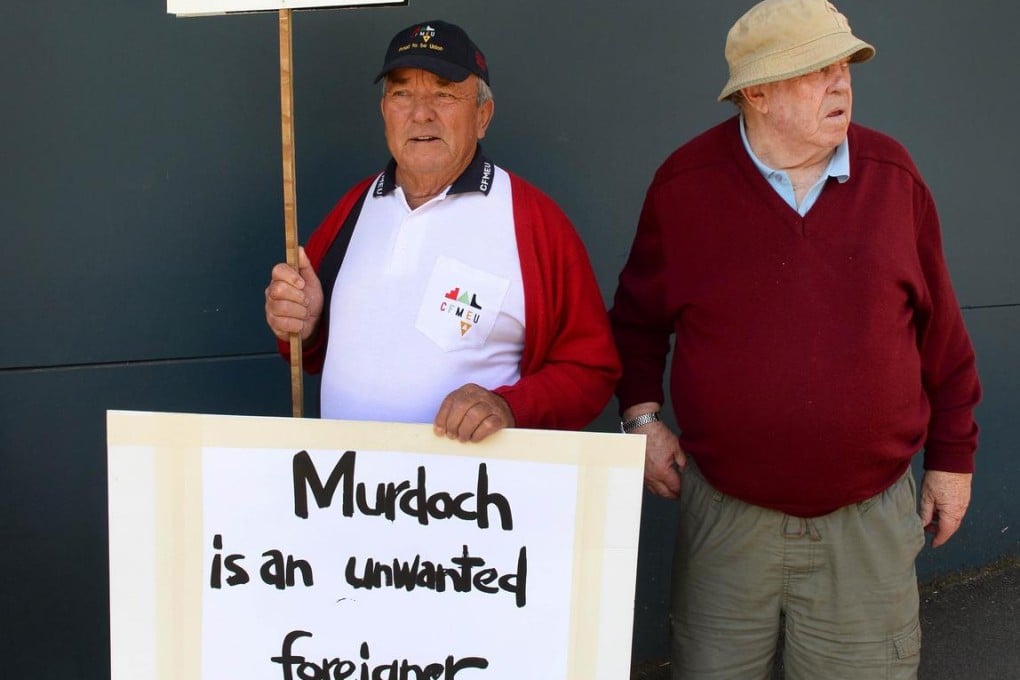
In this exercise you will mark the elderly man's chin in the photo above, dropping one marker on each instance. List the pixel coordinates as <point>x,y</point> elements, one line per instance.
<point>426,158</point>
<point>835,126</point>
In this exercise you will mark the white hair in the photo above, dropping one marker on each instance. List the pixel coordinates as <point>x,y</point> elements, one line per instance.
<point>737,99</point>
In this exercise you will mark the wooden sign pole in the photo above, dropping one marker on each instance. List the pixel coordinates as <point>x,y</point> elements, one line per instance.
<point>285,9</point>
<point>290,194</point>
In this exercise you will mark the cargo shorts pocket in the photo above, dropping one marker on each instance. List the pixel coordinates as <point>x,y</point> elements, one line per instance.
<point>908,644</point>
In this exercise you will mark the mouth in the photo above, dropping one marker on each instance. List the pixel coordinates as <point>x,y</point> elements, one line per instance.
<point>423,138</point>
<point>836,113</point>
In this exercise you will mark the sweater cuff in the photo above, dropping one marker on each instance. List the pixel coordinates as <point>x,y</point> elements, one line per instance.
<point>628,395</point>
<point>311,356</point>
<point>949,460</point>
<point>518,407</point>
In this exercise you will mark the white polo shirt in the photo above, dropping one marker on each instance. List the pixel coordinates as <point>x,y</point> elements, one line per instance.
<point>426,300</point>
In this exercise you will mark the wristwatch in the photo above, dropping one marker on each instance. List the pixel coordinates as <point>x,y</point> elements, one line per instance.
<point>628,426</point>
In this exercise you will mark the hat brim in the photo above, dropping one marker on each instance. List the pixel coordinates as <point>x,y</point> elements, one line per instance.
<point>440,67</point>
<point>805,59</point>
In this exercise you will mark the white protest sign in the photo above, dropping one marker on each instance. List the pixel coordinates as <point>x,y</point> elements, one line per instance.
<point>270,548</point>
<point>186,8</point>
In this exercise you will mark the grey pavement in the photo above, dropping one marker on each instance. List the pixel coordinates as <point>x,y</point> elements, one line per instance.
<point>970,625</point>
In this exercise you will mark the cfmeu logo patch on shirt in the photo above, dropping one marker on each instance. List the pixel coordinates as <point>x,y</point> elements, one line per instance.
<point>460,304</point>
<point>464,306</point>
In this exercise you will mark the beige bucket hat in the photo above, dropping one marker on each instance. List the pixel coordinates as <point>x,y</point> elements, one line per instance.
<point>780,39</point>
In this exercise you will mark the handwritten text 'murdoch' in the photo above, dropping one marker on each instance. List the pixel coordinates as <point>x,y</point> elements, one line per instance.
<point>413,500</point>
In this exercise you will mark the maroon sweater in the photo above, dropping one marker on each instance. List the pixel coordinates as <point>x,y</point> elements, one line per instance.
<point>815,355</point>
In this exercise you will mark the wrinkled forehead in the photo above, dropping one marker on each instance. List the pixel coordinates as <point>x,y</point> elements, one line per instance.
<point>420,76</point>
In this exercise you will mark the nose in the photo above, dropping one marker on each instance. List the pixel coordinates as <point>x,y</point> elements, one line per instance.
<point>840,76</point>
<point>422,108</point>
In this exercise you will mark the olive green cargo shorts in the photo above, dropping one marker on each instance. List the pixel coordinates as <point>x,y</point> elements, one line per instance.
<point>845,582</point>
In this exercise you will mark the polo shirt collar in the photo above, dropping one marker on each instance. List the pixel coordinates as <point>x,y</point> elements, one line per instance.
<point>839,164</point>
<point>477,176</point>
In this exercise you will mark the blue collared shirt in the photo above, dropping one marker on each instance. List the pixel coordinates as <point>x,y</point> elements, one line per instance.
<point>839,167</point>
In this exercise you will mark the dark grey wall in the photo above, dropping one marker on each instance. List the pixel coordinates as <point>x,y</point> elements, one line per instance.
<point>140,213</point>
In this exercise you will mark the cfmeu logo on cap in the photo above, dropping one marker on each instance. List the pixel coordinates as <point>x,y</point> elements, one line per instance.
<point>437,46</point>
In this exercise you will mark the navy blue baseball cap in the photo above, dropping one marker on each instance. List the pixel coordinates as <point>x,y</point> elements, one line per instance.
<point>436,46</point>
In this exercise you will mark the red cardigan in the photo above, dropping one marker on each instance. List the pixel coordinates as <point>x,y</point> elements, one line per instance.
<point>815,355</point>
<point>569,364</point>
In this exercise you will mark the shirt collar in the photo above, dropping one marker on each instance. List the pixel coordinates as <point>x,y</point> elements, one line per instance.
<point>477,176</point>
<point>839,164</point>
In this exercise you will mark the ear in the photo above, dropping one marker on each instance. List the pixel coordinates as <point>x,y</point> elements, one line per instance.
<point>485,113</point>
<point>756,97</point>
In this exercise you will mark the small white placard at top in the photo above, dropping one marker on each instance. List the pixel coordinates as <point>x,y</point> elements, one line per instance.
<point>185,8</point>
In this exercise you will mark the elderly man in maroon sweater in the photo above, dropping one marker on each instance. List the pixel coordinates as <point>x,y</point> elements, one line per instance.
<point>819,346</point>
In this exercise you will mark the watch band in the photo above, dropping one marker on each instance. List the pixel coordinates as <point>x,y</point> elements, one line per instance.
<point>643,419</point>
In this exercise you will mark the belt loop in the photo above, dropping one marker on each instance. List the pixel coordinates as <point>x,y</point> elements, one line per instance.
<point>804,526</point>
<point>787,533</point>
